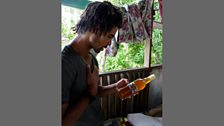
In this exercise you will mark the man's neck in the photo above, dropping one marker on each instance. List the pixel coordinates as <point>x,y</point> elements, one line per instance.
<point>81,46</point>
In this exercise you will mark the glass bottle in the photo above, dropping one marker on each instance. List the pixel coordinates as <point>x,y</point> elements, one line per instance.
<point>134,87</point>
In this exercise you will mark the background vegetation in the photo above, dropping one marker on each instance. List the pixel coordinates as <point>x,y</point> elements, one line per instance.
<point>129,55</point>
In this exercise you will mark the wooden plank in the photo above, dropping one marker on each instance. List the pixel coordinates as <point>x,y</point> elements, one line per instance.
<point>124,102</point>
<point>146,97</point>
<point>147,52</point>
<point>130,103</point>
<point>105,99</point>
<point>142,93</point>
<point>124,107</point>
<point>101,99</point>
<point>112,112</point>
<point>117,99</point>
<point>108,99</point>
<point>145,91</point>
<point>135,98</point>
<point>157,25</point>
<point>123,71</point>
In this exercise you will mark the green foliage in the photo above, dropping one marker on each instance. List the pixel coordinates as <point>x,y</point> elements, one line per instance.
<point>157,16</point>
<point>121,2</point>
<point>66,31</point>
<point>129,55</point>
<point>157,47</point>
<point>70,17</point>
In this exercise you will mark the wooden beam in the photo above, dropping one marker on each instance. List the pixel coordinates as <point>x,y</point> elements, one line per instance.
<point>158,25</point>
<point>147,52</point>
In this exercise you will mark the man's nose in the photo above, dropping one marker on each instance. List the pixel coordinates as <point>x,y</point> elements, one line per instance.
<point>109,43</point>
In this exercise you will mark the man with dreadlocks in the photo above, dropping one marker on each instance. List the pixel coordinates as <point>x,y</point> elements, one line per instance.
<point>80,90</point>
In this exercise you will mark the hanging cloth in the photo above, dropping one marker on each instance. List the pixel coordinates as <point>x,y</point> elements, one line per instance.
<point>136,25</point>
<point>145,7</point>
<point>125,32</point>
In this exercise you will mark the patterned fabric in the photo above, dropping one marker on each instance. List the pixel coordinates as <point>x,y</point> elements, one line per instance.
<point>136,22</point>
<point>112,49</point>
<point>136,25</point>
<point>125,33</point>
<point>146,10</point>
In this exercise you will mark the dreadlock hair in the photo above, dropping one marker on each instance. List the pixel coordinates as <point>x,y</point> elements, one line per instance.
<point>99,17</point>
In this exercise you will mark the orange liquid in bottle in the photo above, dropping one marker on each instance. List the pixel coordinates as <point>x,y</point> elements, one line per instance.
<point>134,87</point>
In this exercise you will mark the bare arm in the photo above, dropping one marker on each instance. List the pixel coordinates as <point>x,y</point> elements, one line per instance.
<point>107,90</point>
<point>110,89</point>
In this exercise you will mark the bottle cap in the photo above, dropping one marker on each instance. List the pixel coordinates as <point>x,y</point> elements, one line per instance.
<point>152,77</point>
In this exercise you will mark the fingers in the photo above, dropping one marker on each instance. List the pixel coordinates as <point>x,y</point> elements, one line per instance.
<point>125,81</point>
<point>135,94</point>
<point>122,82</point>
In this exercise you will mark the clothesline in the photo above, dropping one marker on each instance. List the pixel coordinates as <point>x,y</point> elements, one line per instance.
<point>136,25</point>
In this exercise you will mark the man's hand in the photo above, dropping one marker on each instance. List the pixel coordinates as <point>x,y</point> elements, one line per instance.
<point>92,79</point>
<point>122,83</point>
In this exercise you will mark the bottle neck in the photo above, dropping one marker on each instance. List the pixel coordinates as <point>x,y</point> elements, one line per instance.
<point>149,79</point>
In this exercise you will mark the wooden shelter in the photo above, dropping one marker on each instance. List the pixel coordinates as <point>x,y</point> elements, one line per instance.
<point>148,101</point>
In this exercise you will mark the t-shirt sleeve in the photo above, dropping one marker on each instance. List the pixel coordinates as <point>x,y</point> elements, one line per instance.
<point>68,76</point>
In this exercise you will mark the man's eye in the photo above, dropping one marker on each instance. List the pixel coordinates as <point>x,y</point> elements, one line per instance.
<point>109,37</point>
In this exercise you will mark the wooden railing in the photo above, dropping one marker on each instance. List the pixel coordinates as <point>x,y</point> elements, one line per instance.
<point>114,107</point>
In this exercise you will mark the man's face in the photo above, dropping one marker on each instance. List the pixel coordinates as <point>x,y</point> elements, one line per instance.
<point>98,43</point>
